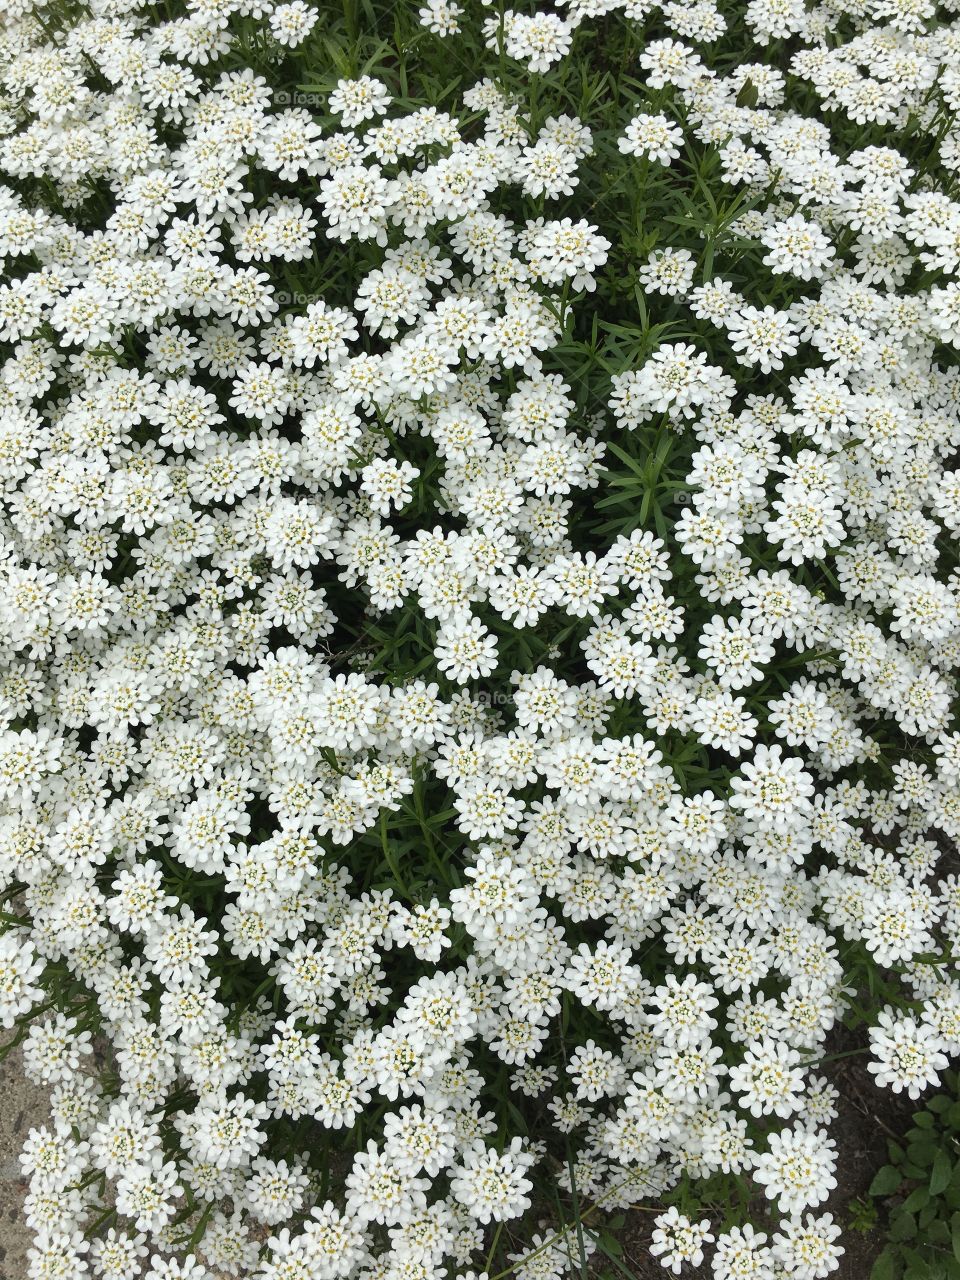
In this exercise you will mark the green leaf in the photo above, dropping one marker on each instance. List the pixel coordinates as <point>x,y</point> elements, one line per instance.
<point>928,1216</point>
<point>922,1153</point>
<point>885,1267</point>
<point>955,1235</point>
<point>613,1245</point>
<point>916,1199</point>
<point>942,1173</point>
<point>886,1181</point>
<point>918,1267</point>
<point>902,1226</point>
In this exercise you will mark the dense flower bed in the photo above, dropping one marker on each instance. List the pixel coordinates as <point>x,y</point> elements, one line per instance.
<point>479,621</point>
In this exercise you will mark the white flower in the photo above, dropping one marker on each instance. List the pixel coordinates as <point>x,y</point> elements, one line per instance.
<point>806,1246</point>
<point>770,1079</point>
<point>797,1169</point>
<point>798,246</point>
<point>652,137</point>
<point>414,680</point>
<point>358,100</point>
<point>772,789</point>
<point>353,201</point>
<point>762,337</point>
<point>677,1241</point>
<point>291,23</point>
<point>465,650</point>
<point>683,1011</point>
<point>19,970</point>
<point>492,1185</point>
<point>908,1056</point>
<point>743,1254</point>
<point>388,483</point>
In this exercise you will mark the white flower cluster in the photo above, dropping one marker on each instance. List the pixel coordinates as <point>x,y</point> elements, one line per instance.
<point>227,508</point>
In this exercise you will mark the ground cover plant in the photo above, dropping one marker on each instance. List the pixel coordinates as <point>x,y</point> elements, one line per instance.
<point>479,623</point>
<point>919,1193</point>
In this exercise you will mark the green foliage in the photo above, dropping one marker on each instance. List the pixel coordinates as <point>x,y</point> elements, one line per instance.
<point>918,1195</point>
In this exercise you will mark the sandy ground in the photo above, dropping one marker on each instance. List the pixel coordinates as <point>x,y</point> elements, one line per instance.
<point>22,1106</point>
